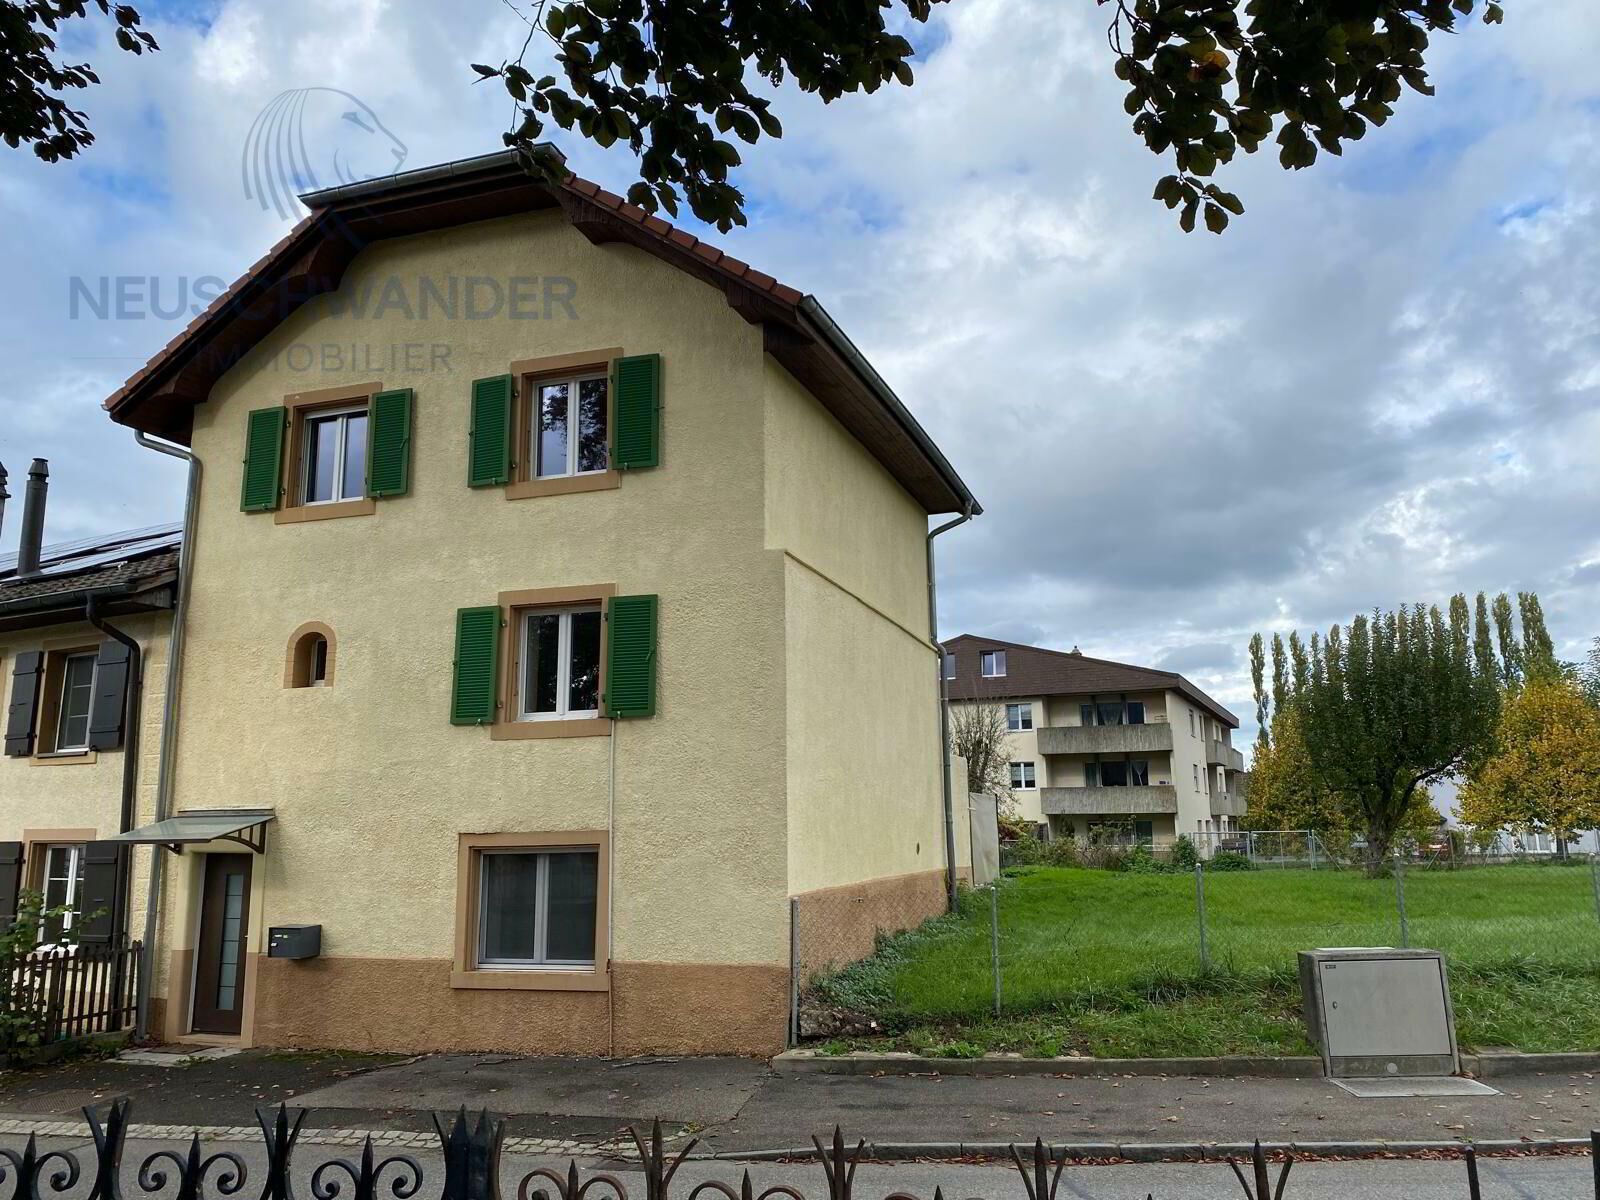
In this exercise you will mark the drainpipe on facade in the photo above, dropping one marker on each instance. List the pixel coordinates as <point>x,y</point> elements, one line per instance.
<point>169,724</point>
<point>132,703</point>
<point>944,712</point>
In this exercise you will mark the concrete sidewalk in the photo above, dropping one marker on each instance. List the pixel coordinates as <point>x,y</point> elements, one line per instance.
<point>740,1105</point>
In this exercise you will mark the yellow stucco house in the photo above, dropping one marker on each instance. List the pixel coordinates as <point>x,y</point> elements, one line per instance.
<point>558,612</point>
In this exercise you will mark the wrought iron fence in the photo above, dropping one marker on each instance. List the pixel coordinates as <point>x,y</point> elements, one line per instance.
<point>63,992</point>
<point>471,1147</point>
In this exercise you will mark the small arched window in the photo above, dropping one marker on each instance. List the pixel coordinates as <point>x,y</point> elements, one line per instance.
<point>310,657</point>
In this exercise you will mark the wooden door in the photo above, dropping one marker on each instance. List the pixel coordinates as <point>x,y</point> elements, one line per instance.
<point>223,943</point>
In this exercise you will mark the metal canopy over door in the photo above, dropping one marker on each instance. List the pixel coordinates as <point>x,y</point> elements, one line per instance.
<point>224,934</point>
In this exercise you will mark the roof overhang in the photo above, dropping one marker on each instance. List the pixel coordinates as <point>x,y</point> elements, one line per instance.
<point>313,257</point>
<point>149,594</point>
<point>247,826</point>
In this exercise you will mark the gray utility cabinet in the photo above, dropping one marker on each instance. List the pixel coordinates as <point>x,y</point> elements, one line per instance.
<point>1377,1011</point>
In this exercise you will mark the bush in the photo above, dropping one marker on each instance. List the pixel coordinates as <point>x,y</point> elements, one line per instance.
<point>1140,861</point>
<point>1102,856</point>
<point>1062,852</point>
<point>1024,852</point>
<point>1184,855</point>
<point>1230,860</point>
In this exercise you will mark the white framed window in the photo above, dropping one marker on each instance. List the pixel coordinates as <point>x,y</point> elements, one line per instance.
<point>1019,717</point>
<point>77,691</point>
<point>992,664</point>
<point>1196,767</point>
<point>568,427</point>
<point>1191,723</point>
<point>949,666</point>
<point>537,908</point>
<point>1022,777</point>
<point>62,885</point>
<point>334,455</point>
<point>560,661</point>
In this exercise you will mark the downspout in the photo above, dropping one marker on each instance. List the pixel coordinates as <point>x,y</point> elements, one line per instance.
<point>131,704</point>
<point>944,711</point>
<point>169,714</point>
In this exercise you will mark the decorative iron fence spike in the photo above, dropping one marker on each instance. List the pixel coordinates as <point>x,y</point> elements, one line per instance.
<point>279,1133</point>
<point>110,1136</point>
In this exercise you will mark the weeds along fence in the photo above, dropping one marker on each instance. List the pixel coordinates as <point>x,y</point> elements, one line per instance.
<point>467,1164</point>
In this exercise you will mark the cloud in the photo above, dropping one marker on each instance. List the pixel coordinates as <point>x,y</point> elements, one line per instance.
<point>1381,385</point>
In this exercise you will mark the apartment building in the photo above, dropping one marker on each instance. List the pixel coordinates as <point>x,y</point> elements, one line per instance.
<point>528,679</point>
<point>1131,752</point>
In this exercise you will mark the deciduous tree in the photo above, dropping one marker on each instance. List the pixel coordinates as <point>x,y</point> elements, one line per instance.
<point>978,734</point>
<point>1545,771</point>
<point>682,84</point>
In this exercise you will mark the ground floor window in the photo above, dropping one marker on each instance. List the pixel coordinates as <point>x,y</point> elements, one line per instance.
<point>62,885</point>
<point>537,908</point>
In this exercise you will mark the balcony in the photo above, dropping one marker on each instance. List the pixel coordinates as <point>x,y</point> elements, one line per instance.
<point>1220,754</point>
<point>1227,804</point>
<point>1109,801</point>
<point>1105,739</point>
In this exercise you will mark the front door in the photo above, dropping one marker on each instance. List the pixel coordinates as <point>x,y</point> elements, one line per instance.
<point>220,957</point>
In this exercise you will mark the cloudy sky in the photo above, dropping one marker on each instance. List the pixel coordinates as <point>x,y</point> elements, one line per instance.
<point>1381,385</point>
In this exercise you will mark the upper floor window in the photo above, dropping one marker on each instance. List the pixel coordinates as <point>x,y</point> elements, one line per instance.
<point>1133,773</point>
<point>1022,776</point>
<point>569,427</point>
<point>992,664</point>
<point>1019,717</point>
<point>311,655</point>
<point>335,455</point>
<point>1135,712</point>
<point>560,675</point>
<point>77,691</point>
<point>949,666</point>
<point>1191,722</point>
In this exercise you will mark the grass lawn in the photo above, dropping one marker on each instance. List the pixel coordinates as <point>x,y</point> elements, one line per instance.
<point>1108,964</point>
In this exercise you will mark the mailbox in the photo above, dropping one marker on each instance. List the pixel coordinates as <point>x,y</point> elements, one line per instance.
<point>1377,1011</point>
<point>294,941</point>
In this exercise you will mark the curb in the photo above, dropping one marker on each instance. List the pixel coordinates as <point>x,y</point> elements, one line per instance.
<point>1154,1152</point>
<point>864,1062</point>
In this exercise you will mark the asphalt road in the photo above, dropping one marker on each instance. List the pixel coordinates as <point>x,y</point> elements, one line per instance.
<point>1524,1177</point>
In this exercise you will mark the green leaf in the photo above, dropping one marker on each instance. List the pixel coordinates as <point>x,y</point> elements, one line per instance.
<point>1186,221</point>
<point>1216,219</point>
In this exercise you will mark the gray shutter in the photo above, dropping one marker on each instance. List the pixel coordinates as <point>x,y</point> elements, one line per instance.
<point>97,901</point>
<point>10,881</point>
<point>110,696</point>
<point>20,717</point>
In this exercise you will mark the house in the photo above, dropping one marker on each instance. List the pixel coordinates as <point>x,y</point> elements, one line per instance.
<point>82,625</point>
<point>1099,745</point>
<point>558,636</point>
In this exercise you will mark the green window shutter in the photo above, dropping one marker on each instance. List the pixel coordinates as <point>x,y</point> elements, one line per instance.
<point>489,444</point>
<point>263,459</point>
<point>476,667</point>
<point>637,384</point>
<point>389,443</point>
<point>631,656</point>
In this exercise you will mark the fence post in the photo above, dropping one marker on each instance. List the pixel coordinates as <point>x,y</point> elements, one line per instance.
<point>1400,897</point>
<point>1200,913</point>
<point>1594,878</point>
<point>794,971</point>
<point>994,941</point>
<point>1312,842</point>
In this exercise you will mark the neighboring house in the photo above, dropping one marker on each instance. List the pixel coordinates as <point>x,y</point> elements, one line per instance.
<point>67,680</point>
<point>1137,752</point>
<point>539,667</point>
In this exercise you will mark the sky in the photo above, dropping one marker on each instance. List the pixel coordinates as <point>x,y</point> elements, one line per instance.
<point>1380,386</point>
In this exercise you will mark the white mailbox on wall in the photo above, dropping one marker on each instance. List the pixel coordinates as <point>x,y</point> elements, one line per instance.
<point>1377,1011</point>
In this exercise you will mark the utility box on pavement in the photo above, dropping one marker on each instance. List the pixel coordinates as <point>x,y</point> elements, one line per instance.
<point>1377,1011</point>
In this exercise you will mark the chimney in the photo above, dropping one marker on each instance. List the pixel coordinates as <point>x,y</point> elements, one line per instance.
<point>33,519</point>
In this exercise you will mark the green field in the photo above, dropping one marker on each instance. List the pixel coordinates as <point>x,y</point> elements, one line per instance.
<point>1108,963</point>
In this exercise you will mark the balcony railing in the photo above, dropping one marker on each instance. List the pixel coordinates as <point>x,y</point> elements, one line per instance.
<point>1109,801</point>
<point>1105,739</point>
